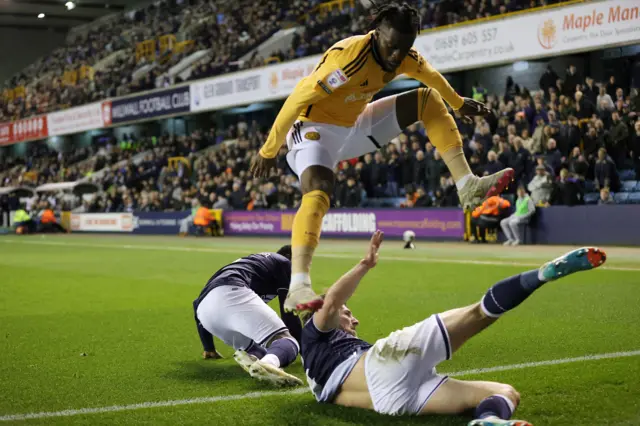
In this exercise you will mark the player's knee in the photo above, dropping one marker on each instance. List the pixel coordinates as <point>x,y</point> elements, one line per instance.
<point>282,335</point>
<point>511,393</point>
<point>317,178</point>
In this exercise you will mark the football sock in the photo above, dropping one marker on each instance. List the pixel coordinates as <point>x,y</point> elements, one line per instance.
<point>282,352</point>
<point>443,133</point>
<point>256,350</point>
<point>497,406</point>
<point>289,319</point>
<point>509,293</point>
<point>305,235</point>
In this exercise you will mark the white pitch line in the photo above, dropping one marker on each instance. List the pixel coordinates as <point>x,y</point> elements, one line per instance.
<point>253,395</point>
<point>324,255</point>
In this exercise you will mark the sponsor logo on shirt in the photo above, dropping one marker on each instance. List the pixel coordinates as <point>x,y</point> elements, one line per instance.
<point>355,97</point>
<point>336,79</point>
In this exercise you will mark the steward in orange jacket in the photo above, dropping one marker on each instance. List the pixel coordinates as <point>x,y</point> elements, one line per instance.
<point>488,216</point>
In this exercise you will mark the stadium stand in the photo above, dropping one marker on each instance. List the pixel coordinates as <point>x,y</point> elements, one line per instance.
<point>166,172</point>
<point>133,51</point>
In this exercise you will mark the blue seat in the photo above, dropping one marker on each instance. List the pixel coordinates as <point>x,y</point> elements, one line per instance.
<point>634,198</point>
<point>637,188</point>
<point>591,198</point>
<point>589,186</point>
<point>629,186</point>
<point>621,197</point>
<point>628,174</point>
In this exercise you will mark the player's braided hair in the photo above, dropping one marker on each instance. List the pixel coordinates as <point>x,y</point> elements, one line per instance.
<point>404,18</point>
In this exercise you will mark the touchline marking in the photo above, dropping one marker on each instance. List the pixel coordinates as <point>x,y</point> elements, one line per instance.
<point>298,391</point>
<point>325,255</point>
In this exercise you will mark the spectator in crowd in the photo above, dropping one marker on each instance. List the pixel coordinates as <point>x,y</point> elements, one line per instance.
<point>525,209</point>
<point>567,191</point>
<point>635,147</point>
<point>590,90</point>
<point>541,186</point>
<point>423,199</point>
<point>592,142</point>
<point>612,87</point>
<point>578,165</point>
<point>604,100</point>
<point>493,165</point>
<point>618,140</point>
<point>572,81</point>
<point>553,157</point>
<point>606,175</point>
<point>605,197</point>
<point>353,195</point>
<point>487,216</point>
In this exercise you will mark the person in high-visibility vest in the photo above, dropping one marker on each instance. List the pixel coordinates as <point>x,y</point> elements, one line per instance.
<point>48,221</point>
<point>203,220</point>
<point>22,221</point>
<point>525,208</point>
<point>487,216</point>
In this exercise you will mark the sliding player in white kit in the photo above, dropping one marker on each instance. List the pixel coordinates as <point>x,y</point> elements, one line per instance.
<point>396,375</point>
<point>233,307</point>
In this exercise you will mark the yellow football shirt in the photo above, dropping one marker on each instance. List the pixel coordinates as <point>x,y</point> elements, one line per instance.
<point>343,83</point>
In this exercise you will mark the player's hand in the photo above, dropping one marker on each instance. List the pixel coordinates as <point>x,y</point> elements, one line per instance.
<point>260,166</point>
<point>211,355</point>
<point>472,108</point>
<point>371,258</point>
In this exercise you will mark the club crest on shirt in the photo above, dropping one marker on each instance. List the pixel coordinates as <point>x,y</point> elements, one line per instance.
<point>312,136</point>
<point>388,76</point>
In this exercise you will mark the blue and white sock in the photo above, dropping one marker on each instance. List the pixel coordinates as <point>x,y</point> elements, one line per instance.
<point>256,350</point>
<point>497,406</point>
<point>282,352</point>
<point>509,293</point>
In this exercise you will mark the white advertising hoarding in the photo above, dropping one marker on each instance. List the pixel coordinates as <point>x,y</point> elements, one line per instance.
<point>78,119</point>
<point>102,222</point>
<point>241,88</point>
<point>588,26</point>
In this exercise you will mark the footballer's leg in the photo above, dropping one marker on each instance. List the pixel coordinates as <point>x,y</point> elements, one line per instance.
<point>492,400</point>
<point>426,105</point>
<point>282,350</point>
<point>317,185</point>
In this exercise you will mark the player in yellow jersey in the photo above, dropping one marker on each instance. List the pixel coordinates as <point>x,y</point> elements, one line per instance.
<point>328,118</point>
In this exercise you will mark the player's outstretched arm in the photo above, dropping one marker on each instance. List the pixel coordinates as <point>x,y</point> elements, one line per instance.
<point>328,317</point>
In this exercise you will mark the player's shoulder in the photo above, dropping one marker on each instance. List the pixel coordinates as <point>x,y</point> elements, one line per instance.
<point>348,48</point>
<point>414,61</point>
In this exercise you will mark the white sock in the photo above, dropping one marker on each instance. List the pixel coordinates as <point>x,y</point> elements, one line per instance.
<point>540,276</point>
<point>300,279</point>
<point>462,181</point>
<point>271,359</point>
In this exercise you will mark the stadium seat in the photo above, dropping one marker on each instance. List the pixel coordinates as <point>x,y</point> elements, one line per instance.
<point>589,186</point>
<point>628,174</point>
<point>621,197</point>
<point>629,186</point>
<point>634,198</point>
<point>591,198</point>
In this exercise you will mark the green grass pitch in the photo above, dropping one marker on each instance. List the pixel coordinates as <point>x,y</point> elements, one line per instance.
<point>125,302</point>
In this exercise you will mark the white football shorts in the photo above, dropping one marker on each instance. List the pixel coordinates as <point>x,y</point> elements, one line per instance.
<point>237,316</point>
<point>400,369</point>
<point>320,144</point>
